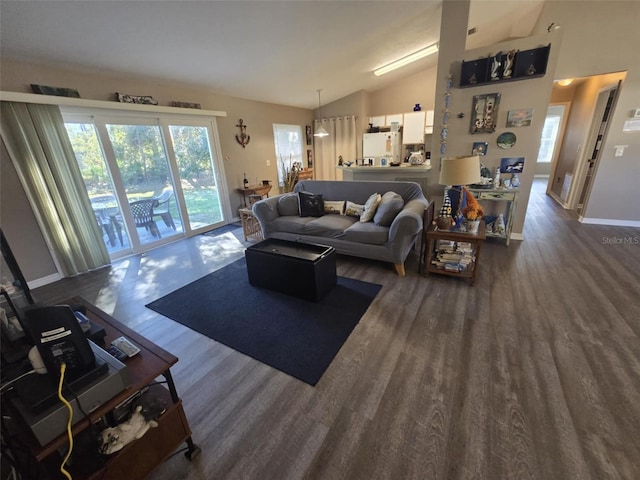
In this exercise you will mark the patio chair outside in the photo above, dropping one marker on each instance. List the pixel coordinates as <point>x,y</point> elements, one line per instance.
<point>162,209</point>
<point>142,211</point>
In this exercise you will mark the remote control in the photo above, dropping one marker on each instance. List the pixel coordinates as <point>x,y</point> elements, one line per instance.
<point>117,353</point>
<point>125,346</point>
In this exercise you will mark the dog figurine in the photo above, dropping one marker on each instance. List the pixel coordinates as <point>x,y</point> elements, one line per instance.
<point>115,438</point>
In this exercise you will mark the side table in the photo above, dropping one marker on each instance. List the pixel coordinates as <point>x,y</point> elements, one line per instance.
<point>250,224</point>
<point>475,240</point>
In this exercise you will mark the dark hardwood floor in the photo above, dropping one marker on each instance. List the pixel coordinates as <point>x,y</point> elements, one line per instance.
<point>534,373</point>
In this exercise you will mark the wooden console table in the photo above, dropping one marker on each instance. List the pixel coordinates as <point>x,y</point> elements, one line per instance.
<point>141,457</point>
<point>262,190</point>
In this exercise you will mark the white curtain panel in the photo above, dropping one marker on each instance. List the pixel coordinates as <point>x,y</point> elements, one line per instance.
<point>341,141</point>
<point>41,151</point>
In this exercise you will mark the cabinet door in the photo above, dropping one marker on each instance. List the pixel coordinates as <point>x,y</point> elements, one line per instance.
<point>413,130</point>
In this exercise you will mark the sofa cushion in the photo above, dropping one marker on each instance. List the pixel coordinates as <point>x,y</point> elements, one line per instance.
<point>311,204</point>
<point>370,207</point>
<point>330,226</point>
<point>390,206</point>
<point>288,204</point>
<point>367,232</point>
<point>291,224</point>
<point>334,207</point>
<point>353,209</point>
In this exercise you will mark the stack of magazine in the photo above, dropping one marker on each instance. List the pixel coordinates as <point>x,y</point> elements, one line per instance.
<point>454,256</point>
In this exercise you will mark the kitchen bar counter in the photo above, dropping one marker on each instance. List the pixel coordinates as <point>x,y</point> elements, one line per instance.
<point>417,173</point>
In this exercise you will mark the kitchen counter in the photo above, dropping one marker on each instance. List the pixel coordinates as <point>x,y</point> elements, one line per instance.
<point>403,166</point>
<point>408,173</point>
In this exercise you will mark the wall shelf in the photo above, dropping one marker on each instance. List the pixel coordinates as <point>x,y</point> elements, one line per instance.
<point>527,64</point>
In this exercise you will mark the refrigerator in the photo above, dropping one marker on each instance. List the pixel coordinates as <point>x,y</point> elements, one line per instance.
<point>383,145</point>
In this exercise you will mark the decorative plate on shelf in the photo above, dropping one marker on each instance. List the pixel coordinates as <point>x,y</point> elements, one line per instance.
<point>506,140</point>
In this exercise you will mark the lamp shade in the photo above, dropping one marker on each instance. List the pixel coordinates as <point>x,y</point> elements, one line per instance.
<point>460,170</point>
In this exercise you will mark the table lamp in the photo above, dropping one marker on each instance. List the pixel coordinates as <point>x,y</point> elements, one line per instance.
<point>456,172</point>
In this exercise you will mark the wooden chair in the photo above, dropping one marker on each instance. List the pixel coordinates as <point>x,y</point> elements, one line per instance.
<point>162,209</point>
<point>142,211</point>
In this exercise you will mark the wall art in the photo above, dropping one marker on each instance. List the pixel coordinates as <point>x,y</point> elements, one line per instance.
<point>484,113</point>
<point>519,118</point>
<point>186,105</point>
<point>480,148</point>
<point>140,99</point>
<point>506,140</point>
<point>511,164</point>
<point>57,91</point>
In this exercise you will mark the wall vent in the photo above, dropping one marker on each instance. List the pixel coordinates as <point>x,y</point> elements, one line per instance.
<point>566,187</point>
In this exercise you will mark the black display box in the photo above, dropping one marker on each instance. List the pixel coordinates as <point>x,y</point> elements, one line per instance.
<point>303,270</point>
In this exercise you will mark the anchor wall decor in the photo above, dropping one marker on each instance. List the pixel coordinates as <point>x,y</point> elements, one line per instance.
<point>243,139</point>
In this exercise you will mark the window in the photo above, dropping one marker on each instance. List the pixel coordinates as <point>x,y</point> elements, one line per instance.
<point>550,133</point>
<point>288,144</point>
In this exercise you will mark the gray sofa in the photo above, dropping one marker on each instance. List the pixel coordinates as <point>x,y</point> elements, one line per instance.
<point>389,237</point>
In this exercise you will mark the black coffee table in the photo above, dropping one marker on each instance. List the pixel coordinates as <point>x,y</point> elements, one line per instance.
<point>303,270</point>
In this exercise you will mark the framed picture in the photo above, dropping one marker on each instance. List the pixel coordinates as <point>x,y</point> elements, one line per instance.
<point>479,148</point>
<point>520,118</point>
<point>57,91</point>
<point>511,164</point>
<point>484,113</point>
<point>309,158</point>
<point>186,105</point>
<point>308,131</point>
<point>140,99</point>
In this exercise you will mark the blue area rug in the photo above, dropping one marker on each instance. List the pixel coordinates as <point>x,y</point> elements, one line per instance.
<point>296,336</point>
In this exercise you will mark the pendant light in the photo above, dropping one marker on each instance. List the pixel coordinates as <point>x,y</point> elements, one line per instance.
<point>320,132</point>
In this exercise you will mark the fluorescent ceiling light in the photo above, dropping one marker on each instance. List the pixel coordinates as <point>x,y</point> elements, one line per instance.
<point>401,62</point>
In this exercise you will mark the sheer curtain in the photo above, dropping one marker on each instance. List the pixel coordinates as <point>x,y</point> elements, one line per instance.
<point>40,149</point>
<point>342,140</point>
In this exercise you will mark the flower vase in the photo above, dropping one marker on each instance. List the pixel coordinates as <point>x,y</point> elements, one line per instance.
<point>417,108</point>
<point>473,225</point>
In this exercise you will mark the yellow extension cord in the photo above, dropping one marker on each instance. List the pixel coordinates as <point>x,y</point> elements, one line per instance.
<point>63,368</point>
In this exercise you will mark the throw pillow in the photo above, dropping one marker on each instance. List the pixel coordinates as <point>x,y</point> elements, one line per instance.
<point>288,204</point>
<point>370,207</point>
<point>334,207</point>
<point>311,205</point>
<point>353,209</point>
<point>390,206</point>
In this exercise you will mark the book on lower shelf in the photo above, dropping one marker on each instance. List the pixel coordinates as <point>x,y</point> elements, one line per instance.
<point>454,257</point>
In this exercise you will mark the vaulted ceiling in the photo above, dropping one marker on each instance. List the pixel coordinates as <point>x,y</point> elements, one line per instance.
<point>271,51</point>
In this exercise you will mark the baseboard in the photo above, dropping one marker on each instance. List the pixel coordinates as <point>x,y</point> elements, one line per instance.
<point>558,200</point>
<point>517,236</point>
<point>609,221</point>
<point>40,282</point>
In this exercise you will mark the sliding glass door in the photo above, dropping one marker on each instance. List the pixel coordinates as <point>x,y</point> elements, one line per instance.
<point>199,183</point>
<point>142,177</point>
<point>150,180</point>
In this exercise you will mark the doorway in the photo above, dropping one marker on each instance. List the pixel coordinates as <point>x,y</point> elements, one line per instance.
<point>604,107</point>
